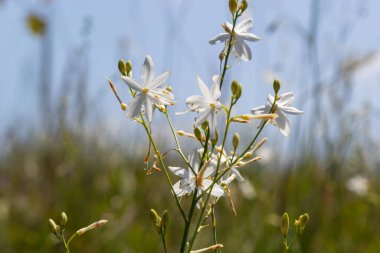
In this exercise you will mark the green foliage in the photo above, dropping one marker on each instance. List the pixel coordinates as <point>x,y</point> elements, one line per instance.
<point>41,177</point>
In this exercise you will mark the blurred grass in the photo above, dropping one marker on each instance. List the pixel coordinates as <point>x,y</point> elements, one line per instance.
<point>41,176</point>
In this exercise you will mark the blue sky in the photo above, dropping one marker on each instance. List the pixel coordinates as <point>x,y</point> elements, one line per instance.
<point>176,34</point>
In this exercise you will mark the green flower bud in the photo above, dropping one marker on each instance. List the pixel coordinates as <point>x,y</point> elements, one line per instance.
<point>285,225</point>
<point>236,89</point>
<point>243,6</point>
<point>233,4</point>
<point>122,67</point>
<point>63,218</point>
<point>235,140</point>
<point>276,86</point>
<point>155,219</point>
<point>54,228</point>
<point>301,223</point>
<point>164,220</point>
<point>198,133</point>
<point>128,67</point>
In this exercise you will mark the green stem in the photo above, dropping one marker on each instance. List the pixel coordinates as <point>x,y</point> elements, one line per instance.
<point>188,222</point>
<point>213,220</point>
<point>163,166</point>
<point>163,240</point>
<point>179,150</point>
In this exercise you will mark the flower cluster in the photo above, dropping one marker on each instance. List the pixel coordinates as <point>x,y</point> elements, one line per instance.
<point>209,169</point>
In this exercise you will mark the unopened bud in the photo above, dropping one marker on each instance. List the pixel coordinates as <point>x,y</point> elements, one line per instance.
<point>233,4</point>
<point>285,225</point>
<point>301,223</point>
<point>128,68</point>
<point>63,218</point>
<point>155,219</point>
<point>123,106</point>
<point>236,89</point>
<point>205,125</point>
<point>54,228</point>
<point>276,86</point>
<point>208,249</point>
<point>164,219</point>
<point>243,6</point>
<point>198,133</point>
<point>91,226</point>
<point>122,67</point>
<point>235,140</point>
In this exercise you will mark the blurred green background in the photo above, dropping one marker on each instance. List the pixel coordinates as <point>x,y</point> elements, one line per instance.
<point>66,146</point>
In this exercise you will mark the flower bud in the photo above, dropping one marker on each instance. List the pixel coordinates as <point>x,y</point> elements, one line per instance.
<point>233,4</point>
<point>236,89</point>
<point>122,67</point>
<point>285,225</point>
<point>128,68</point>
<point>235,140</point>
<point>243,6</point>
<point>164,220</point>
<point>63,218</point>
<point>205,125</point>
<point>155,219</point>
<point>54,228</point>
<point>301,223</point>
<point>198,133</point>
<point>276,86</point>
<point>94,225</point>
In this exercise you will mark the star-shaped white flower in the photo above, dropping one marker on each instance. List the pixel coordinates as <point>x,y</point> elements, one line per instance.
<point>207,104</point>
<point>240,35</point>
<point>191,181</point>
<point>282,107</point>
<point>225,163</point>
<point>148,92</point>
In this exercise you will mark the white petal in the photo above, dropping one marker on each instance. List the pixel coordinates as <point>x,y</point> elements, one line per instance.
<point>204,89</point>
<point>212,124</point>
<point>286,99</point>
<point>219,38</point>
<point>149,109</point>
<point>236,172</point>
<point>132,83</point>
<point>203,117</point>
<point>244,26</point>
<point>270,99</point>
<point>161,96</point>
<point>249,37</point>
<point>209,171</point>
<point>134,106</point>
<point>178,190</point>
<point>216,191</point>
<point>247,55</point>
<point>178,171</point>
<point>260,109</point>
<point>291,110</point>
<point>147,72</point>
<point>215,89</point>
<point>196,102</point>
<point>159,80</point>
<point>282,122</point>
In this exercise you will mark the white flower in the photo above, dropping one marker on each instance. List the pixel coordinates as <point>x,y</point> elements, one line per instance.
<point>225,163</point>
<point>191,181</point>
<point>282,107</point>
<point>148,92</point>
<point>358,185</point>
<point>206,104</point>
<point>240,35</point>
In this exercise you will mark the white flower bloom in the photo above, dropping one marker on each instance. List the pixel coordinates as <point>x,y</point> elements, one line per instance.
<point>207,104</point>
<point>240,35</point>
<point>282,107</point>
<point>191,181</point>
<point>225,163</point>
<point>148,92</point>
<point>358,185</point>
